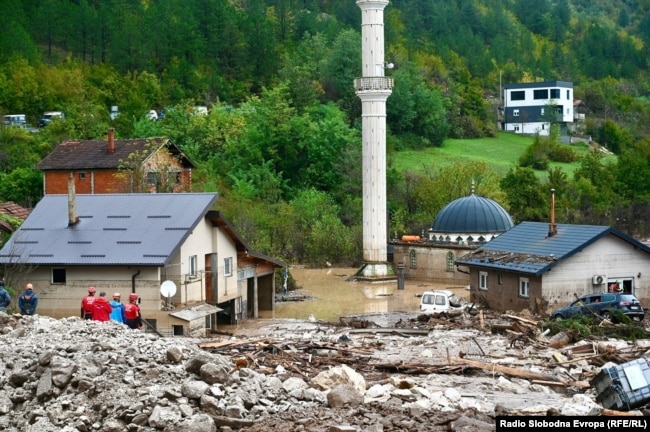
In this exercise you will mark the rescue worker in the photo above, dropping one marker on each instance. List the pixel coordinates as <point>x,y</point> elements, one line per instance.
<point>5,298</point>
<point>28,301</point>
<point>101,308</point>
<point>118,308</point>
<point>133,316</point>
<point>87,304</point>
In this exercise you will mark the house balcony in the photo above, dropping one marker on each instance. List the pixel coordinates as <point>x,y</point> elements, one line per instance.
<point>373,83</point>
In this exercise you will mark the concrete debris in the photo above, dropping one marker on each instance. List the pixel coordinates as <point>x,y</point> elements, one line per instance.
<point>77,375</point>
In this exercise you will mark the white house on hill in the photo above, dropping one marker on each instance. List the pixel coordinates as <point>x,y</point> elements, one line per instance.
<point>526,107</point>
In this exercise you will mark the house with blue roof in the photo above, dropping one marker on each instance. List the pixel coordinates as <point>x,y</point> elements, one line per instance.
<point>187,263</point>
<point>540,266</point>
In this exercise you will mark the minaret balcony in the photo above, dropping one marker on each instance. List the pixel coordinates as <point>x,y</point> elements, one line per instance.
<point>373,83</point>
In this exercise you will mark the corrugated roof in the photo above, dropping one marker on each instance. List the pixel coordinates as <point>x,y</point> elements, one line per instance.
<point>94,154</point>
<point>195,312</point>
<point>113,229</point>
<point>527,247</point>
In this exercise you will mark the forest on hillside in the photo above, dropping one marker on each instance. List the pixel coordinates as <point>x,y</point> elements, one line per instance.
<point>281,142</point>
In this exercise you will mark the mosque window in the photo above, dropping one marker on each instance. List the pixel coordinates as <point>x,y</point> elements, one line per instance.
<point>450,261</point>
<point>481,239</point>
<point>413,258</point>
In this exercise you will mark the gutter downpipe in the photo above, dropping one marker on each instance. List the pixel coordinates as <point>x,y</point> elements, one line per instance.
<point>142,318</point>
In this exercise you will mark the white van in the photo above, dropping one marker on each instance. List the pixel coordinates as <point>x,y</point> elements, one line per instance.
<point>15,120</point>
<point>48,116</point>
<point>435,302</point>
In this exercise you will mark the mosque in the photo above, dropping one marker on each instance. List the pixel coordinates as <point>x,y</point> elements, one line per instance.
<point>460,227</point>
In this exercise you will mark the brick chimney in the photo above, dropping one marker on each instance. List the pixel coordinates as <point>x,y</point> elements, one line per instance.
<point>552,228</point>
<point>111,140</point>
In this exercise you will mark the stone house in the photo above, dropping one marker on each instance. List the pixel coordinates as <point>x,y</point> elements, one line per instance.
<point>141,243</point>
<point>116,166</point>
<point>540,266</point>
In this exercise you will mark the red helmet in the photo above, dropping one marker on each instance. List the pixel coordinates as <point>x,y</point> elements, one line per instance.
<point>133,297</point>
<point>92,290</point>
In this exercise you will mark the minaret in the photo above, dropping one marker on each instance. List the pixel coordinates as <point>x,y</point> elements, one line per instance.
<point>373,88</point>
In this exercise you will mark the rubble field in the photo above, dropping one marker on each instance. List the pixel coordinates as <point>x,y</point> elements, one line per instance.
<point>389,372</point>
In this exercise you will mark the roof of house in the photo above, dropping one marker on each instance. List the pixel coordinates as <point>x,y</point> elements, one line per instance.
<point>95,154</point>
<point>112,229</point>
<point>195,312</point>
<point>527,247</point>
<point>10,208</point>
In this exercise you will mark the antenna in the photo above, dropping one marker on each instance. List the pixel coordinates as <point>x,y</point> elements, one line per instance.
<point>168,289</point>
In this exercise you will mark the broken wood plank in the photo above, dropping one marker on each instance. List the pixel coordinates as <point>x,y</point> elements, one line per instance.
<point>391,330</point>
<point>507,370</point>
<point>524,320</point>
<point>611,412</point>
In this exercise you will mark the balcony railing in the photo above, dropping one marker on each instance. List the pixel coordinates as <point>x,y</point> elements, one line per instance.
<point>373,83</point>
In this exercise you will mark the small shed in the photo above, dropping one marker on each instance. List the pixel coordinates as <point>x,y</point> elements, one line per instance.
<point>192,320</point>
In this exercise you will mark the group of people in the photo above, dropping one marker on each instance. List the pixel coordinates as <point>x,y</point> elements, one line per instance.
<point>92,308</point>
<point>100,309</point>
<point>27,301</point>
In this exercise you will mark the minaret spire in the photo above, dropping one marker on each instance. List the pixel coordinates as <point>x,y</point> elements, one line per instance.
<point>373,89</point>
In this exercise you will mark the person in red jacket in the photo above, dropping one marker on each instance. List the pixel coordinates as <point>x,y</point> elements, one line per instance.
<point>132,312</point>
<point>87,304</point>
<point>102,308</point>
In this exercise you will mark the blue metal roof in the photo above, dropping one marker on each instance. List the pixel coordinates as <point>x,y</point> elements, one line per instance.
<point>472,214</point>
<point>527,248</point>
<point>112,229</point>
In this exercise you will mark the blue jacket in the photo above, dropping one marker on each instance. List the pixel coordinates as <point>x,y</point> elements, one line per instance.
<point>118,311</point>
<point>27,302</point>
<point>5,298</point>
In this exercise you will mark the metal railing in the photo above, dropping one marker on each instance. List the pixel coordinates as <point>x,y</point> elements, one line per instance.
<point>373,83</point>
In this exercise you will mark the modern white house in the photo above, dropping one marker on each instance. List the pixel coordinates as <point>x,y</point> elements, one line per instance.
<point>186,262</point>
<point>531,108</point>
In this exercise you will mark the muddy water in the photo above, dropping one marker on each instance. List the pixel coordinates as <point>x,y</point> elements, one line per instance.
<point>331,296</point>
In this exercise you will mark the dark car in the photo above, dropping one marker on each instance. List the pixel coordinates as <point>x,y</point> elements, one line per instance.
<point>602,305</point>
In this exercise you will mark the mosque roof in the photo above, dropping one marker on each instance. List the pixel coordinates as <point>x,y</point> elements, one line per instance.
<point>472,214</point>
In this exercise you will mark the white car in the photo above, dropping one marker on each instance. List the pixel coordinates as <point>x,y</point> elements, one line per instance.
<point>435,302</point>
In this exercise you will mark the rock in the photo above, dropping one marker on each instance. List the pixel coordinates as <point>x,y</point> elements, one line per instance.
<point>175,354</point>
<point>340,375</point>
<point>344,395</point>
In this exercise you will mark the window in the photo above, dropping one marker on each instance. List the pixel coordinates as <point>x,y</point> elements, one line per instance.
<point>413,258</point>
<point>177,330</point>
<point>227,267</point>
<point>540,94</point>
<point>568,94</point>
<point>555,93</point>
<point>482,280</point>
<point>82,175</point>
<point>450,261</point>
<point>58,276</point>
<point>192,270</point>
<point>523,287</point>
<point>518,95</point>
<point>515,113</point>
<point>500,278</point>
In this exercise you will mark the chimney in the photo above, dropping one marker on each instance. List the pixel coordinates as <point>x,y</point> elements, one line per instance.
<point>552,229</point>
<point>73,219</point>
<point>111,140</point>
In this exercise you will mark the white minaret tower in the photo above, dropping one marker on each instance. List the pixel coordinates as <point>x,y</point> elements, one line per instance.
<point>373,88</point>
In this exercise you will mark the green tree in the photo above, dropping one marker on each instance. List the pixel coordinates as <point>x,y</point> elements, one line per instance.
<point>526,201</point>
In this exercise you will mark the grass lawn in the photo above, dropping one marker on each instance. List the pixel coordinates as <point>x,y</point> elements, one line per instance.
<point>501,153</point>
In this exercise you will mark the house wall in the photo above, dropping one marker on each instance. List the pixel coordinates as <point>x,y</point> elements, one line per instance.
<point>94,182</point>
<point>571,278</point>
<point>59,301</point>
<point>502,292</point>
<point>431,262</point>
<point>101,182</point>
<point>609,256</point>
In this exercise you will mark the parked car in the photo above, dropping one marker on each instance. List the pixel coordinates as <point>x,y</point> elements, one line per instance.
<point>48,116</point>
<point>15,120</point>
<point>602,305</point>
<point>435,302</point>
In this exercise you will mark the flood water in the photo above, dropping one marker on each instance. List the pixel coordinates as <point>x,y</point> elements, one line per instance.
<point>331,296</point>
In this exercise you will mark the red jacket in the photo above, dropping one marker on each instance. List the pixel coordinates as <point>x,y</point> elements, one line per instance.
<point>101,309</point>
<point>132,311</point>
<point>87,305</point>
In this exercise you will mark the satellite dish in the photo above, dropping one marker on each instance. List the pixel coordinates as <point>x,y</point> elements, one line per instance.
<point>168,288</point>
